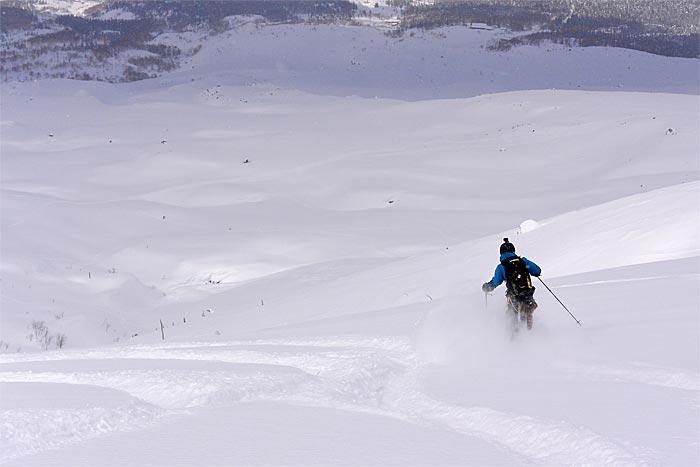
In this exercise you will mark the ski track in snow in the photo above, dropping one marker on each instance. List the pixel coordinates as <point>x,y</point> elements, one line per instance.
<point>378,376</point>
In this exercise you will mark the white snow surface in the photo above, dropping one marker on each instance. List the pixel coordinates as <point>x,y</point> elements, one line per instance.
<point>64,7</point>
<point>315,256</point>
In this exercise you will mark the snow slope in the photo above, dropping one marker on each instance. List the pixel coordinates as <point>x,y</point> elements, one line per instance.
<point>316,262</point>
<point>448,62</point>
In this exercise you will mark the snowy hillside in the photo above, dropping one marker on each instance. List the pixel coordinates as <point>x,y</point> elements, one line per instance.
<point>445,63</point>
<point>274,258</point>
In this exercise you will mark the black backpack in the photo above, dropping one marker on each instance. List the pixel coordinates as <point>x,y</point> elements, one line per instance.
<point>518,278</point>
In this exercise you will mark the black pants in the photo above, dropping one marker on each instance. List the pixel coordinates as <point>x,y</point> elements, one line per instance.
<point>523,307</point>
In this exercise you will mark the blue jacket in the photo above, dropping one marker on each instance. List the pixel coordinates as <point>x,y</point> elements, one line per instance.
<point>500,275</point>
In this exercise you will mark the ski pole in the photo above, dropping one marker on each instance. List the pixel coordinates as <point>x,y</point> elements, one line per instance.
<point>560,302</point>
<point>486,301</point>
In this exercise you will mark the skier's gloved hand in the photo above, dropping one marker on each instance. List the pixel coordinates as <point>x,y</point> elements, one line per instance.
<point>488,287</point>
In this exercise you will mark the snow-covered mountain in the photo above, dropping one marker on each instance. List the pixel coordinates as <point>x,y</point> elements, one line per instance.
<point>273,255</point>
<point>59,7</point>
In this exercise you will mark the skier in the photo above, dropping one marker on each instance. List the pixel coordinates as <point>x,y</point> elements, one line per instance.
<point>516,271</point>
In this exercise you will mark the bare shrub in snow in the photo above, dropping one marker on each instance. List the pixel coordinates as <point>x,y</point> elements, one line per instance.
<point>39,331</point>
<point>60,340</point>
<point>40,334</point>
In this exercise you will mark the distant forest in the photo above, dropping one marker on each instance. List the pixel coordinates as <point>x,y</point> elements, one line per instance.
<point>663,27</point>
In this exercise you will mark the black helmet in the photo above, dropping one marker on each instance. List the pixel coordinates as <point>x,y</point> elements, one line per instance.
<point>507,247</point>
